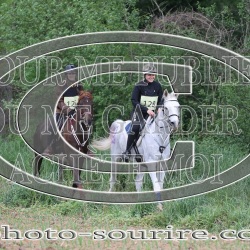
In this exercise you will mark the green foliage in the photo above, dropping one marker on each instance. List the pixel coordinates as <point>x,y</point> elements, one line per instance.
<point>63,19</point>
<point>18,196</point>
<point>142,210</point>
<point>60,19</point>
<point>69,207</point>
<point>232,21</point>
<point>222,209</point>
<point>214,212</point>
<point>238,97</point>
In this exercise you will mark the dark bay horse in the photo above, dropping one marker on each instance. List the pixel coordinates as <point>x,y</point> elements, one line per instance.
<point>76,131</point>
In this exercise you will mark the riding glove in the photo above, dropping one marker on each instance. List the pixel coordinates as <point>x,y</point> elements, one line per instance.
<point>71,112</point>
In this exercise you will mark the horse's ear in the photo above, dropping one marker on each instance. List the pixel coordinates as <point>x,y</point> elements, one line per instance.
<point>165,93</point>
<point>176,93</point>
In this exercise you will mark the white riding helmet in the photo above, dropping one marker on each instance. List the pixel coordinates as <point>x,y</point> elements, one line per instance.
<point>149,68</point>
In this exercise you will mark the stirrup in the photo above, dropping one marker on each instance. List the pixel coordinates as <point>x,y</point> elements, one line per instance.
<point>126,156</point>
<point>139,158</point>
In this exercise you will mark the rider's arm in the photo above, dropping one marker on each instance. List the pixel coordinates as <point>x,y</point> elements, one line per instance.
<point>136,98</point>
<point>160,94</point>
<point>61,106</point>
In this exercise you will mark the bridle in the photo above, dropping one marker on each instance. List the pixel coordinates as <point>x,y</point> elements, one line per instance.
<point>165,113</point>
<point>165,108</point>
<point>170,124</point>
<point>82,122</point>
<point>88,132</point>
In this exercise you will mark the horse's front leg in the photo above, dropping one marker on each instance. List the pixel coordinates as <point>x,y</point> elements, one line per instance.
<point>61,160</point>
<point>113,174</point>
<point>76,178</point>
<point>112,181</point>
<point>76,162</point>
<point>158,185</point>
<point>77,183</point>
<point>37,162</point>
<point>139,181</point>
<point>160,177</point>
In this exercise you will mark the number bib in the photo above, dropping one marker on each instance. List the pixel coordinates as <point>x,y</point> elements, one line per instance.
<point>149,101</point>
<point>71,101</point>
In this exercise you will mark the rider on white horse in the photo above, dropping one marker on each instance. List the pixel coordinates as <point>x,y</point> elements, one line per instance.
<point>146,96</point>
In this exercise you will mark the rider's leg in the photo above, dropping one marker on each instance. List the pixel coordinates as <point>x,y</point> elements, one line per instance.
<point>133,135</point>
<point>132,138</point>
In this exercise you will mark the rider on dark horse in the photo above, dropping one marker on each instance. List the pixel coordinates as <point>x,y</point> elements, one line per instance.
<point>67,101</point>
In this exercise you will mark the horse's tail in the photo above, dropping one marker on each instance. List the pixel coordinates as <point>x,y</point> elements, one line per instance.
<point>102,144</point>
<point>105,143</point>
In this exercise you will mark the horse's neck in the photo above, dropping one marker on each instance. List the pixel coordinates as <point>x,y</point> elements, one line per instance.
<point>159,129</point>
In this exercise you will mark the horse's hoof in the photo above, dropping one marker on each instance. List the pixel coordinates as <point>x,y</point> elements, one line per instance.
<point>160,207</point>
<point>77,185</point>
<point>48,151</point>
<point>90,153</point>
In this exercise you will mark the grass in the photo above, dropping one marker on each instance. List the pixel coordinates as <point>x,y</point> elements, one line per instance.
<point>222,209</point>
<point>226,208</point>
<point>84,217</point>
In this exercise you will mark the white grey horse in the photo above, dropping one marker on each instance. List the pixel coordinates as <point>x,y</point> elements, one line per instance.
<point>153,145</point>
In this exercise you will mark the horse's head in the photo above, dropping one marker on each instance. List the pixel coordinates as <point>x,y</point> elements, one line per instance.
<point>171,109</point>
<point>85,104</point>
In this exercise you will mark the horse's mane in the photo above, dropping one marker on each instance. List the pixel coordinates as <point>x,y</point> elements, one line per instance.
<point>84,94</point>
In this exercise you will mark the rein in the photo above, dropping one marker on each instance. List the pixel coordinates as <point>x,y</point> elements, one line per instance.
<point>161,147</point>
<point>88,95</point>
<point>82,130</point>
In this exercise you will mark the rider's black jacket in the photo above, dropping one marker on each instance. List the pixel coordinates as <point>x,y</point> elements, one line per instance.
<point>143,88</point>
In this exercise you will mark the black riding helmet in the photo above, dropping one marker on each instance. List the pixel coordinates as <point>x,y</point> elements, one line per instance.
<point>70,68</point>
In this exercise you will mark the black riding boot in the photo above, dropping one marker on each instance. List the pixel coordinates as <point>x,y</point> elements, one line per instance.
<point>130,143</point>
